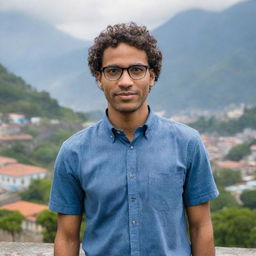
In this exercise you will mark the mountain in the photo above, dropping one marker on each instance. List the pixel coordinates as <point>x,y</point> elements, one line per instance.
<point>19,97</point>
<point>209,60</point>
<point>48,59</point>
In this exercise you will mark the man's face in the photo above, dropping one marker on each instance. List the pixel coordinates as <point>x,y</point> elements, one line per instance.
<point>125,95</point>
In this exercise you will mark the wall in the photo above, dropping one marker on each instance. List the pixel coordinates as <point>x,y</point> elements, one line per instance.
<point>36,249</point>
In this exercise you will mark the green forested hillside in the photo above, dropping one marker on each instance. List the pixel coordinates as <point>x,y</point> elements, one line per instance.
<point>19,97</point>
<point>247,120</point>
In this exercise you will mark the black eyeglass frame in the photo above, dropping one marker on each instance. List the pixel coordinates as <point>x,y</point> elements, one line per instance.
<point>127,68</point>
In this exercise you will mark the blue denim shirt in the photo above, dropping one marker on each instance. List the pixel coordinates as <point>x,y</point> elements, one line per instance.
<point>134,194</point>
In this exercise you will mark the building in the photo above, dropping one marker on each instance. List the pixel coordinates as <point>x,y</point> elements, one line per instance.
<point>245,168</point>
<point>7,160</point>
<point>18,176</point>
<point>17,118</point>
<point>29,211</point>
<point>14,138</point>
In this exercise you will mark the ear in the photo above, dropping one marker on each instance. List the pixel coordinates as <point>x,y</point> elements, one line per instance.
<point>99,84</point>
<point>98,79</point>
<point>152,78</point>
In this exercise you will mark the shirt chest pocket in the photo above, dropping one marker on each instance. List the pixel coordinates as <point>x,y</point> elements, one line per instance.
<point>165,190</point>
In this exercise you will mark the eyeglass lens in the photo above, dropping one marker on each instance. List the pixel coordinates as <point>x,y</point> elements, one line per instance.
<point>135,72</point>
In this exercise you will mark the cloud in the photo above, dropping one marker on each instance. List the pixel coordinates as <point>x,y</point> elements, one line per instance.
<point>85,18</point>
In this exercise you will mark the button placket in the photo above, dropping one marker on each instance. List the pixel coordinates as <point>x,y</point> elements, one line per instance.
<point>133,203</point>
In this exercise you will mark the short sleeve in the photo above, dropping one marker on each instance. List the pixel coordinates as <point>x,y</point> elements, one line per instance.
<point>199,185</point>
<point>67,195</point>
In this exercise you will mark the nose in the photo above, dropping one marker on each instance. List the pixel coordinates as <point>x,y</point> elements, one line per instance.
<point>125,80</point>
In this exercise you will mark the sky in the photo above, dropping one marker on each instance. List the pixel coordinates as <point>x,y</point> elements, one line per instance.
<point>84,19</point>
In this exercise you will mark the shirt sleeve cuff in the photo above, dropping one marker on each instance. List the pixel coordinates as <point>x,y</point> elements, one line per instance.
<point>65,209</point>
<point>202,199</point>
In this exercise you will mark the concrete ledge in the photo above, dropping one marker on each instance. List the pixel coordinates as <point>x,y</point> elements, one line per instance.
<point>40,249</point>
<point>26,249</point>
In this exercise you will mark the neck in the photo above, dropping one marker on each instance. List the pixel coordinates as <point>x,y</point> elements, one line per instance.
<point>128,122</point>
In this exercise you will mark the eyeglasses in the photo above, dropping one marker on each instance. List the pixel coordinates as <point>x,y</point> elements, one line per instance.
<point>114,73</point>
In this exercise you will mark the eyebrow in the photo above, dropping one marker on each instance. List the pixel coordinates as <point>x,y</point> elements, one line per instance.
<point>117,66</point>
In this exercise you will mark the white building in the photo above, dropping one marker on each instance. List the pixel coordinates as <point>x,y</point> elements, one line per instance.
<point>29,211</point>
<point>19,176</point>
<point>17,118</point>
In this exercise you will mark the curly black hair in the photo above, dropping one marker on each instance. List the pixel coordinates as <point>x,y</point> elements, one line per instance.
<point>133,35</point>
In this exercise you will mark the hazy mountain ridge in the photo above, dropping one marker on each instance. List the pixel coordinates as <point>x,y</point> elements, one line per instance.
<point>18,97</point>
<point>209,60</point>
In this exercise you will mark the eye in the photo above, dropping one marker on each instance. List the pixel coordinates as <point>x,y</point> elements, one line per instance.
<point>112,71</point>
<point>137,69</point>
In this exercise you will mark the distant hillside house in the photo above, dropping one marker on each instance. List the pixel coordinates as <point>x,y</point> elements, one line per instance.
<point>29,211</point>
<point>253,151</point>
<point>18,176</point>
<point>14,138</point>
<point>236,166</point>
<point>17,118</point>
<point>7,160</point>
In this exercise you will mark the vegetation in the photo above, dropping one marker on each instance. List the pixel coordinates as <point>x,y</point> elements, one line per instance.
<point>240,151</point>
<point>225,199</point>
<point>248,197</point>
<point>48,220</point>
<point>42,151</point>
<point>247,120</point>
<point>37,192</point>
<point>19,97</point>
<point>11,221</point>
<point>235,227</point>
<point>227,177</point>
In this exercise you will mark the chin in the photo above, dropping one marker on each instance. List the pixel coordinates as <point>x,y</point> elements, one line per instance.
<point>127,109</point>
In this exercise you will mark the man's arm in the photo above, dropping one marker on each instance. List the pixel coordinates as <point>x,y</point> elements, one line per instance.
<point>67,240</point>
<point>200,229</point>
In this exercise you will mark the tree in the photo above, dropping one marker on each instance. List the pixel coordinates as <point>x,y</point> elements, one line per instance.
<point>11,221</point>
<point>225,199</point>
<point>48,220</point>
<point>227,177</point>
<point>234,227</point>
<point>238,152</point>
<point>248,197</point>
<point>45,153</point>
<point>252,239</point>
<point>38,191</point>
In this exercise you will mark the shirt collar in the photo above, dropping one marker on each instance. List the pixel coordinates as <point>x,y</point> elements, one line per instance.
<point>147,127</point>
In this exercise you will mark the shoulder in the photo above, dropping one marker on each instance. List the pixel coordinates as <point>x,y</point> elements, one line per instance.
<point>82,138</point>
<point>178,130</point>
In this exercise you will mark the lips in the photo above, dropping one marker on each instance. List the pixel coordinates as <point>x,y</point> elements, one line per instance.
<point>125,93</point>
<point>126,96</point>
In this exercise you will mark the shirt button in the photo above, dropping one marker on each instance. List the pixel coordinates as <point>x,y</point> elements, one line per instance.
<point>134,222</point>
<point>131,147</point>
<point>131,176</point>
<point>133,198</point>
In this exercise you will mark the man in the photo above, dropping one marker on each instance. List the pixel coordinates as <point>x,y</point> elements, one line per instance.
<point>136,176</point>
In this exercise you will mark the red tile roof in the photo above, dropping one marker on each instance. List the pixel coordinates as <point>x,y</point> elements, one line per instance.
<point>232,165</point>
<point>7,160</point>
<point>253,147</point>
<point>20,169</point>
<point>28,209</point>
<point>16,137</point>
